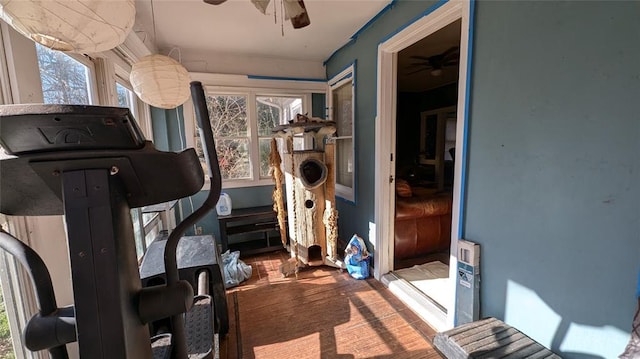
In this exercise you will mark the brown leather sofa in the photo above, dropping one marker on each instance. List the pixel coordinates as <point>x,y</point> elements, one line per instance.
<point>422,224</point>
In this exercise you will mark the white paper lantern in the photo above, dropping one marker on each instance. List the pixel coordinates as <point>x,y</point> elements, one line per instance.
<point>81,26</point>
<point>160,81</point>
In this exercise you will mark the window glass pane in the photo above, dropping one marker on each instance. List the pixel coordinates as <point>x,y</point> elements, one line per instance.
<point>343,109</point>
<point>148,217</point>
<point>228,115</point>
<point>273,111</point>
<point>344,172</point>
<point>152,235</point>
<point>137,231</point>
<point>200,151</point>
<point>64,80</point>
<point>124,96</point>
<point>6,345</point>
<point>265,150</point>
<point>233,158</point>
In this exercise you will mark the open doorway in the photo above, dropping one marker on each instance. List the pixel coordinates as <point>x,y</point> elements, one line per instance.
<point>440,312</point>
<point>427,95</point>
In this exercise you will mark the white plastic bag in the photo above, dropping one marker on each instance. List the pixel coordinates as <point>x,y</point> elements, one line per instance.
<point>235,270</point>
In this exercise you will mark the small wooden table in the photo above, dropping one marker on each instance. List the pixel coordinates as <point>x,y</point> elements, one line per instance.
<point>250,220</point>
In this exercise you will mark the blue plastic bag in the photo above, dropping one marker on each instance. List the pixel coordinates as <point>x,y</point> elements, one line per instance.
<point>357,258</point>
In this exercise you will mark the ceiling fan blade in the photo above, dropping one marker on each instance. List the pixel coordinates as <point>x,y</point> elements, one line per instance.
<point>261,5</point>
<point>451,51</point>
<point>451,63</point>
<point>420,64</point>
<point>417,57</point>
<point>416,71</point>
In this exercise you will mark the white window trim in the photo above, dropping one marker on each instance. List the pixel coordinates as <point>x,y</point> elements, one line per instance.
<point>243,85</point>
<point>345,76</point>
<point>142,113</point>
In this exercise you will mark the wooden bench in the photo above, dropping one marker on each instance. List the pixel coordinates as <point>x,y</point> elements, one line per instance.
<point>489,338</point>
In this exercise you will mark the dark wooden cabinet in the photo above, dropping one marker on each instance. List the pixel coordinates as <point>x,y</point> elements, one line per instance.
<point>245,221</point>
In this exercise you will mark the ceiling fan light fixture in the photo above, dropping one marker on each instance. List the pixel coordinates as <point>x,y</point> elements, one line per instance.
<point>81,26</point>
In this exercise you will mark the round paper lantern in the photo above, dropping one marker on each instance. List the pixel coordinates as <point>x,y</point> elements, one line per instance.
<point>160,81</point>
<point>81,26</point>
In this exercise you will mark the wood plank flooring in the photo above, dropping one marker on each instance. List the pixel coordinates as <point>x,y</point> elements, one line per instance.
<point>323,313</point>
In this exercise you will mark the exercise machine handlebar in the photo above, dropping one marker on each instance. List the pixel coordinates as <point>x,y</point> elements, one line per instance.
<point>52,327</point>
<point>170,261</point>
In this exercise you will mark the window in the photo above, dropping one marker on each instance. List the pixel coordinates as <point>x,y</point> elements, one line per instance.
<point>126,98</point>
<point>146,226</point>
<point>65,80</point>
<point>342,112</point>
<point>273,111</point>
<point>230,125</point>
<point>242,125</point>
<point>6,342</point>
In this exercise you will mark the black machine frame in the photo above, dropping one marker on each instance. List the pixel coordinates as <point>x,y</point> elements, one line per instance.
<point>92,165</point>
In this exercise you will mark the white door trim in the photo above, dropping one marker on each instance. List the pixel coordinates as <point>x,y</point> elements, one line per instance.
<point>386,133</point>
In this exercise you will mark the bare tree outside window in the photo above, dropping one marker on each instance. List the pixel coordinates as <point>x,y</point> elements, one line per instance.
<point>64,80</point>
<point>273,111</point>
<point>230,126</point>
<point>124,96</point>
<point>243,141</point>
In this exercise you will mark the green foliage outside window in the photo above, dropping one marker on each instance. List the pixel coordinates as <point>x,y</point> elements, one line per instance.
<point>6,346</point>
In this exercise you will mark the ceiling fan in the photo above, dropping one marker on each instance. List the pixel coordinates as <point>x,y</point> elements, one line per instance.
<point>294,10</point>
<point>437,62</point>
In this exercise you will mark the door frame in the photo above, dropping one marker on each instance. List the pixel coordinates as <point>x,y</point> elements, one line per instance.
<point>431,22</point>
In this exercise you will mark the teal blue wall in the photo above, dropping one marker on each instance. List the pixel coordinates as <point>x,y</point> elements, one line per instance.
<point>167,127</point>
<point>554,167</point>
<point>240,198</point>
<point>552,190</point>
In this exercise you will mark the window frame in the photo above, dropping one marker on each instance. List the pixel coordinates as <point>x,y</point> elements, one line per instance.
<point>142,113</point>
<point>252,88</point>
<point>348,75</point>
<point>149,224</point>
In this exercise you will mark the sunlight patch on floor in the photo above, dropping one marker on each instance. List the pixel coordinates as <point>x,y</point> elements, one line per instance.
<point>431,279</point>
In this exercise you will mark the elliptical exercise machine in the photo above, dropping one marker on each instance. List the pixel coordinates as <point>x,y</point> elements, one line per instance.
<point>92,164</point>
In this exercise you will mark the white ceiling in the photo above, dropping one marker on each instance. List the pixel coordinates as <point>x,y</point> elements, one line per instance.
<point>237,28</point>
<point>235,38</point>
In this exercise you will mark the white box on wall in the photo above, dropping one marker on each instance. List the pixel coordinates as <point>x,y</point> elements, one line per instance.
<point>467,283</point>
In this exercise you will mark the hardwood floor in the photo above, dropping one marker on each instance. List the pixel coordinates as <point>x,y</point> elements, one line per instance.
<point>323,313</point>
